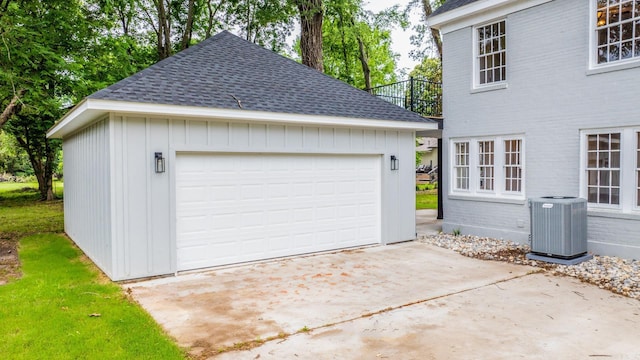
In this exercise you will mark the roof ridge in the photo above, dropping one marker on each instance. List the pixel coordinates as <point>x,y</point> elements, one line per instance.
<point>229,72</point>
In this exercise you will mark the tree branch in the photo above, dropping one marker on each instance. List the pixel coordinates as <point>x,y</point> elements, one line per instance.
<point>364,60</point>
<point>13,107</point>
<point>435,34</point>
<point>186,37</point>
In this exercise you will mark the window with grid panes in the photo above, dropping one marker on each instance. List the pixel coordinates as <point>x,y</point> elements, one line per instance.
<point>461,165</point>
<point>512,166</point>
<point>603,168</point>
<point>491,55</point>
<point>485,164</point>
<point>488,167</point>
<point>617,30</point>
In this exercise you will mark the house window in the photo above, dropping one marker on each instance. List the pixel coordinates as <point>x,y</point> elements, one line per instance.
<point>610,169</point>
<point>603,168</point>
<point>617,27</point>
<point>485,165</point>
<point>488,167</point>
<point>491,53</point>
<point>512,165</point>
<point>461,166</point>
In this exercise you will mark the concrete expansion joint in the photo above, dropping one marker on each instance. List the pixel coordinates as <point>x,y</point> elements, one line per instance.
<point>306,329</point>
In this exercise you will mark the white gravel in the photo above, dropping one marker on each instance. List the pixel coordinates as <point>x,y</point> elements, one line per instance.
<point>621,276</point>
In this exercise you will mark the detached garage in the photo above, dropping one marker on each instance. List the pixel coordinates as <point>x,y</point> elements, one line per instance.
<point>226,153</point>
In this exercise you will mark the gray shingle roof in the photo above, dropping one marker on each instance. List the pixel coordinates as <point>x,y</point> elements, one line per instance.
<point>223,68</point>
<point>450,5</point>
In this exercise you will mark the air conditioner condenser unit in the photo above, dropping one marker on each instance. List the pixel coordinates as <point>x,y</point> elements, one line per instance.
<point>558,226</point>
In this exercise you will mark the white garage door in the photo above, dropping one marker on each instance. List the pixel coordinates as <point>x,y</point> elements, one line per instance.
<point>234,208</point>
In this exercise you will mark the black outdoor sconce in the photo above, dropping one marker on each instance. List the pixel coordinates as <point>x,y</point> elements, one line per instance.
<point>394,162</point>
<point>159,163</point>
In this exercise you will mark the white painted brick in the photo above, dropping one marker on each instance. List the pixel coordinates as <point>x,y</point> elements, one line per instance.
<point>549,98</point>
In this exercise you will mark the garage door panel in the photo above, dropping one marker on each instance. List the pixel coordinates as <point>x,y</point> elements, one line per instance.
<point>243,207</point>
<point>253,219</point>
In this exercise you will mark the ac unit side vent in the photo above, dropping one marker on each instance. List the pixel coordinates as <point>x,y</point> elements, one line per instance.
<point>558,226</point>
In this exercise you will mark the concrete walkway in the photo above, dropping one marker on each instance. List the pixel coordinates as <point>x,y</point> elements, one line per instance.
<point>404,301</point>
<point>427,222</point>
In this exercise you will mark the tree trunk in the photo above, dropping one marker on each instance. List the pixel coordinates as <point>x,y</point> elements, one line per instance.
<point>311,15</point>
<point>45,182</point>
<point>212,16</point>
<point>364,60</point>
<point>164,31</point>
<point>188,29</point>
<point>344,44</point>
<point>12,108</point>
<point>43,171</point>
<point>435,34</point>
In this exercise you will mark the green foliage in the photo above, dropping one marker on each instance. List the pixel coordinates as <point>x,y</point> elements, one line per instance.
<point>29,128</point>
<point>429,93</point>
<point>55,52</point>
<point>109,59</point>
<point>345,29</point>
<point>429,68</point>
<point>59,171</point>
<point>43,40</point>
<point>13,159</point>
<point>424,187</point>
<point>264,22</point>
<point>40,38</point>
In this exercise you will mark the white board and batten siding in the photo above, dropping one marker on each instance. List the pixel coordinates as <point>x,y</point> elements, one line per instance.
<point>87,203</point>
<point>147,205</point>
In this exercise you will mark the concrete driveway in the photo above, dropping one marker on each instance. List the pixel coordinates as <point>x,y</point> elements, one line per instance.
<point>403,301</point>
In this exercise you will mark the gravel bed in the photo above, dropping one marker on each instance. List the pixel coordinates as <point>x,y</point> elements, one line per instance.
<point>620,276</point>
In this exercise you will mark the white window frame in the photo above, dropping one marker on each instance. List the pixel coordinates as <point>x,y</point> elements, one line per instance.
<point>604,168</point>
<point>513,167</point>
<point>499,189</point>
<point>593,66</point>
<point>487,179</point>
<point>456,165</point>
<point>628,169</point>
<point>476,85</point>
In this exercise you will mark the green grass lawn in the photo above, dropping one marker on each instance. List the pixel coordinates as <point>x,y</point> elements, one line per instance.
<point>63,307</point>
<point>427,199</point>
<point>21,213</point>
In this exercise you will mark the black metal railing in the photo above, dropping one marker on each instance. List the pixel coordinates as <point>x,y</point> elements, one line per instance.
<point>418,95</point>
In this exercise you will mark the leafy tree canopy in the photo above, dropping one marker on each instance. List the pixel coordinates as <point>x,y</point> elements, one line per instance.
<point>53,53</point>
<point>429,68</point>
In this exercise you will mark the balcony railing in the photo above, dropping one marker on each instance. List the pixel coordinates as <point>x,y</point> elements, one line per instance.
<point>418,95</point>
